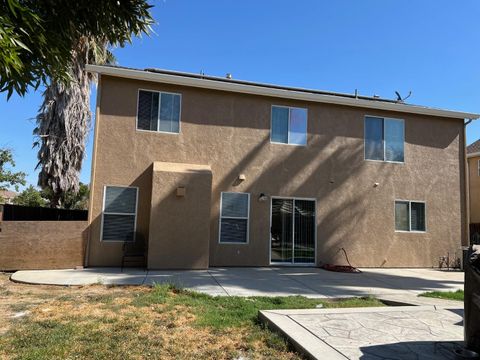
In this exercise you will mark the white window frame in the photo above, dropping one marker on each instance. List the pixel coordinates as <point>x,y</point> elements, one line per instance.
<point>233,217</point>
<point>288,125</point>
<point>384,142</point>
<point>115,213</point>
<point>159,108</point>
<point>410,216</point>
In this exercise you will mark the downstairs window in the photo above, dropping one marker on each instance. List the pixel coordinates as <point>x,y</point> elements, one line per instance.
<point>119,213</point>
<point>410,216</point>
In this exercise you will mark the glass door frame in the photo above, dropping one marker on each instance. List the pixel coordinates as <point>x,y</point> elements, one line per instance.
<point>292,263</point>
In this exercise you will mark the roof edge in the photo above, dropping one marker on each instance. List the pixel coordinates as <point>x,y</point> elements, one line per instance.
<point>274,92</point>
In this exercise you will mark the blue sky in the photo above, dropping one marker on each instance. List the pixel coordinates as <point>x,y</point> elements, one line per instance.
<point>431,47</point>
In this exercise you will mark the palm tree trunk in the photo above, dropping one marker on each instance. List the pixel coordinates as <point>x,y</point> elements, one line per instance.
<point>63,123</point>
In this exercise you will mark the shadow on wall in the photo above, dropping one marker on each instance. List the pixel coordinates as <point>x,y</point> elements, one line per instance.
<point>324,169</point>
<point>217,108</point>
<point>317,171</point>
<point>107,253</point>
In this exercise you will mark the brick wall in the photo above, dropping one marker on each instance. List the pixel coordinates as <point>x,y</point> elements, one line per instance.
<point>42,244</point>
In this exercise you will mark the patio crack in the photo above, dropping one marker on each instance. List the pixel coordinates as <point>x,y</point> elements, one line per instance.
<point>145,277</point>
<point>218,283</point>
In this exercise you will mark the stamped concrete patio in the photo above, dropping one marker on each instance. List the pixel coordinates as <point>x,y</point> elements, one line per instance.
<point>268,281</point>
<point>423,332</point>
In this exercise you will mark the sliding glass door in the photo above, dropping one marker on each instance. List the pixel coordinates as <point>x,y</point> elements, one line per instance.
<point>293,231</point>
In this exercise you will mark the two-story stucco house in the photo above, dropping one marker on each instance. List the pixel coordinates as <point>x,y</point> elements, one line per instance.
<point>218,172</point>
<point>473,158</point>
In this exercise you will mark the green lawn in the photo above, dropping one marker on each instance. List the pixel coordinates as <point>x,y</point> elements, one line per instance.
<point>163,322</point>
<point>449,295</point>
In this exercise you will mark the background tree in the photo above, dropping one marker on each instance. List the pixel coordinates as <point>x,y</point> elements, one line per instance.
<point>30,197</point>
<point>70,199</point>
<point>49,42</point>
<point>7,176</point>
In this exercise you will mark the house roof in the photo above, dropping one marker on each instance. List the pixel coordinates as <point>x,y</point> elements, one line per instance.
<point>240,86</point>
<point>7,194</point>
<point>473,149</point>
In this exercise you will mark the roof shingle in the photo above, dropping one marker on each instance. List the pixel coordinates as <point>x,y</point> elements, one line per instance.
<point>473,147</point>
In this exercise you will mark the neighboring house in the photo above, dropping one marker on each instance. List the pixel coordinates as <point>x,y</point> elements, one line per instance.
<point>218,172</point>
<point>473,158</point>
<point>7,196</point>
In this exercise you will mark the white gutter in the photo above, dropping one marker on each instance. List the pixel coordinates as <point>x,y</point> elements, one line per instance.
<point>473,155</point>
<point>266,91</point>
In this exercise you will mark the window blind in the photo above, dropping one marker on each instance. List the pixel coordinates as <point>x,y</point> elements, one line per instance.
<point>158,111</point>
<point>119,213</point>
<point>234,216</point>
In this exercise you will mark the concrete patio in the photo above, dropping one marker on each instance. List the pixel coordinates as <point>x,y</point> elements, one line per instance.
<point>395,333</point>
<point>268,281</point>
<point>430,330</point>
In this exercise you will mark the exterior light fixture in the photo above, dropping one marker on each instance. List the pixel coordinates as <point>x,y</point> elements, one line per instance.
<point>181,191</point>
<point>262,197</point>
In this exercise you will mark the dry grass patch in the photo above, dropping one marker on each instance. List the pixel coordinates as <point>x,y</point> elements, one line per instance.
<point>164,322</point>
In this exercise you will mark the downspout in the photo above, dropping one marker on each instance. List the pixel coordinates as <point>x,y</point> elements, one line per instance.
<point>466,242</point>
<point>92,172</point>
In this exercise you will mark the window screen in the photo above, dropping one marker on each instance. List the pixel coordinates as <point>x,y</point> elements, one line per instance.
<point>119,213</point>
<point>402,215</point>
<point>394,140</point>
<point>417,216</point>
<point>158,111</point>
<point>279,124</point>
<point>410,216</point>
<point>234,217</point>
<point>384,139</point>
<point>373,138</point>
<point>289,125</point>
<point>147,115</point>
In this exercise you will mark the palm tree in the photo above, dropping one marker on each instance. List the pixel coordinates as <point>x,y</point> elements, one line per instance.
<point>64,119</point>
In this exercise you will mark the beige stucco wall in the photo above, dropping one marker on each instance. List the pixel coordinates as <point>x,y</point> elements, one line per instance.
<point>231,133</point>
<point>474,189</point>
<point>179,230</point>
<point>42,244</point>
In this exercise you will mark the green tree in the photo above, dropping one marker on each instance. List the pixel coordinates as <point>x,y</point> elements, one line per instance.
<point>37,37</point>
<point>49,42</point>
<point>30,197</point>
<point>7,176</point>
<point>70,199</point>
<point>77,200</point>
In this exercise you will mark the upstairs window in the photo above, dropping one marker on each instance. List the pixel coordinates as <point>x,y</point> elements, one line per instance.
<point>234,213</point>
<point>119,213</point>
<point>409,216</point>
<point>289,125</point>
<point>158,111</point>
<point>384,139</point>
